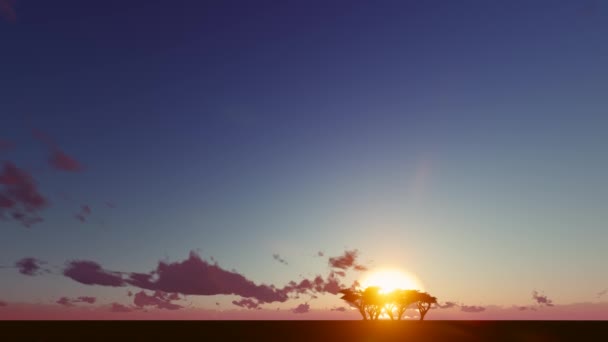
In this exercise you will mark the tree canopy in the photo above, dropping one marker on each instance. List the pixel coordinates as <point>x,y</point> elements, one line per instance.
<point>371,302</point>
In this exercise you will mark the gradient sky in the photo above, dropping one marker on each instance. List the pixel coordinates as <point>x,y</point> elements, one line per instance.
<point>460,141</point>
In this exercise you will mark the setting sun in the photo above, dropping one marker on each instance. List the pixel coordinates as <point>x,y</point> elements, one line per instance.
<point>390,279</point>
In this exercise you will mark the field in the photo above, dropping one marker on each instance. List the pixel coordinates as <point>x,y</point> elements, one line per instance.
<point>302,331</point>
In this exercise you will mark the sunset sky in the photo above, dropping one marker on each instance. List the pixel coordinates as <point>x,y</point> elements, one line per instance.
<point>243,148</point>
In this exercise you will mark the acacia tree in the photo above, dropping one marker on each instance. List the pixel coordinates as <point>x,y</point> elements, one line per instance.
<point>398,301</point>
<point>371,302</point>
<point>424,301</point>
<point>354,297</point>
<point>374,302</point>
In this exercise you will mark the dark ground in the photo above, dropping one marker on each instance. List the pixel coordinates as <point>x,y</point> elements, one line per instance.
<point>302,331</point>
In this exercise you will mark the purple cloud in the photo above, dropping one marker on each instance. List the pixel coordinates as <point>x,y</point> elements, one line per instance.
<point>85,211</point>
<point>195,276</point>
<point>340,308</point>
<point>61,161</point>
<point>64,301</point>
<point>447,305</point>
<point>29,266</point>
<point>91,273</point>
<point>19,194</point>
<point>601,293</point>
<point>117,307</point>
<point>301,309</point>
<point>472,308</point>
<point>278,258</point>
<point>541,299</point>
<point>246,303</point>
<point>158,299</point>
<point>3,303</point>
<point>85,299</point>
<point>346,261</point>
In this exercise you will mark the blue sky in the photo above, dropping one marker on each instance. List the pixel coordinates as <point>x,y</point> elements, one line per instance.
<point>463,142</point>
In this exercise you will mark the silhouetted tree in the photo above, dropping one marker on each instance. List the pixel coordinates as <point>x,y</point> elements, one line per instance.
<point>374,302</point>
<point>398,301</point>
<point>424,301</point>
<point>354,297</point>
<point>371,302</point>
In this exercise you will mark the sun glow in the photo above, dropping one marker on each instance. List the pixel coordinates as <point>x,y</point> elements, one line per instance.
<point>389,279</point>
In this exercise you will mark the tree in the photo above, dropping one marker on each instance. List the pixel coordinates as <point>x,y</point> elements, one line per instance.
<point>398,301</point>
<point>424,301</point>
<point>374,302</point>
<point>354,297</point>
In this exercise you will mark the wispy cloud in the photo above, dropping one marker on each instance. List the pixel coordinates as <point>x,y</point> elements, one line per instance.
<point>472,308</point>
<point>119,308</point>
<point>541,299</point>
<point>29,266</point>
<point>158,299</point>
<point>7,10</point>
<point>19,195</point>
<point>278,258</point>
<point>347,261</point>
<point>84,213</point>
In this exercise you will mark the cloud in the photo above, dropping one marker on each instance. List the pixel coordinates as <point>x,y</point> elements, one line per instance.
<point>346,261</point>
<point>85,299</point>
<point>246,303</point>
<point>85,211</point>
<point>472,308</point>
<point>7,10</point>
<point>541,299</point>
<point>447,305</point>
<point>158,299</point>
<point>601,293</point>
<point>19,194</point>
<point>91,273</point>
<point>117,307</point>
<point>278,258</point>
<point>64,301</point>
<point>29,266</point>
<point>301,309</point>
<point>3,303</point>
<point>319,253</point>
<point>61,161</point>
<point>340,308</point>
<point>195,276</point>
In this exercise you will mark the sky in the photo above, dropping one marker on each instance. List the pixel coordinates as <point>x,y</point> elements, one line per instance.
<point>210,160</point>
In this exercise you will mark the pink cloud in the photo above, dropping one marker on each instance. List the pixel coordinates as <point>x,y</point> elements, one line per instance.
<point>64,301</point>
<point>85,211</point>
<point>19,194</point>
<point>246,303</point>
<point>29,266</point>
<point>346,261</point>
<point>158,299</point>
<point>301,309</point>
<point>339,308</point>
<point>3,303</point>
<point>472,308</point>
<point>91,273</point>
<point>61,161</point>
<point>541,299</point>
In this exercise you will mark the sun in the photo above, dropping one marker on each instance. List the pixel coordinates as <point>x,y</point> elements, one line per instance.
<point>390,279</point>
